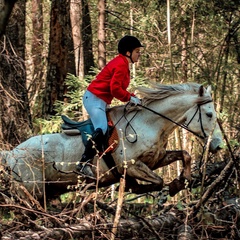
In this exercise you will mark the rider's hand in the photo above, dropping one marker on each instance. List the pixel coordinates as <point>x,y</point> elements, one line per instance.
<point>136,101</point>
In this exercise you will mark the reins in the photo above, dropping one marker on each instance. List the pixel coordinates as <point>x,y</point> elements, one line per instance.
<point>128,123</point>
<point>169,119</point>
<point>185,126</point>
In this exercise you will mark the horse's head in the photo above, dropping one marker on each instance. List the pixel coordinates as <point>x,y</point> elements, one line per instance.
<point>202,119</point>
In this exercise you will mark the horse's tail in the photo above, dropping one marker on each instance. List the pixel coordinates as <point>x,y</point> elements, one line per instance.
<point>3,157</point>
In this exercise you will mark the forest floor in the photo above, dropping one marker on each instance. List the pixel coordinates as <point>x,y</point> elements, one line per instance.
<point>208,209</point>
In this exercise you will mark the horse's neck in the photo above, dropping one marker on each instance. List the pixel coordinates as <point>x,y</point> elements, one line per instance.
<point>173,108</point>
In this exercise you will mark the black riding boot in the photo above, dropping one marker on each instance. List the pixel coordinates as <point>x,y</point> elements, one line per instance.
<point>95,142</point>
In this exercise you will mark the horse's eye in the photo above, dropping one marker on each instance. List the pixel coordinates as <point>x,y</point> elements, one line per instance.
<point>209,114</point>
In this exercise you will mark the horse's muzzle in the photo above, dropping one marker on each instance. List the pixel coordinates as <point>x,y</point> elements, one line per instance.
<point>216,145</point>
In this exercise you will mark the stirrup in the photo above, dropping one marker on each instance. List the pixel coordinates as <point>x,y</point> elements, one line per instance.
<point>85,169</point>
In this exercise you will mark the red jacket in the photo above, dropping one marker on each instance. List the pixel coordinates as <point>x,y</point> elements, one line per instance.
<point>112,81</point>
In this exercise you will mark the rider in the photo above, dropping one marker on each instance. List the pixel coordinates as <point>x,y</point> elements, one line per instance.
<point>111,82</point>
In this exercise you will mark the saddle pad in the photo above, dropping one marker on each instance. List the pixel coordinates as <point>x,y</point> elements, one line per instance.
<point>113,139</point>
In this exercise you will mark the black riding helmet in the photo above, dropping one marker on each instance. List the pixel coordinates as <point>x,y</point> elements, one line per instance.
<point>128,44</point>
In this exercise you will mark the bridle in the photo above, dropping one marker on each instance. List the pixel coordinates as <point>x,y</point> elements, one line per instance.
<point>200,119</point>
<point>185,126</point>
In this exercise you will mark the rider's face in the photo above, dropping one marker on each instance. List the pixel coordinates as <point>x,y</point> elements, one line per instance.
<point>136,54</point>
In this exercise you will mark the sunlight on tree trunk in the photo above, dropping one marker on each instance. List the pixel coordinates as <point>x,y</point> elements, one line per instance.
<point>169,39</point>
<point>101,34</point>
<point>184,50</point>
<point>131,33</point>
<point>178,147</point>
<point>76,22</point>
<point>192,41</point>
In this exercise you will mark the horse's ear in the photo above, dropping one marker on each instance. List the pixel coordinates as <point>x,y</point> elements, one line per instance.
<point>209,89</point>
<point>201,91</point>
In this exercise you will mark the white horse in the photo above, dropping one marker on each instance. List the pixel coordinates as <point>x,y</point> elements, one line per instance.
<point>50,160</point>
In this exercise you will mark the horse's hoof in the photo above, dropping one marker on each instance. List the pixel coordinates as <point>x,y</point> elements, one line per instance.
<point>176,186</point>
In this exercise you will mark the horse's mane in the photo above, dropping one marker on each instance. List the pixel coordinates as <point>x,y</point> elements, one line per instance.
<point>161,91</point>
<point>158,91</point>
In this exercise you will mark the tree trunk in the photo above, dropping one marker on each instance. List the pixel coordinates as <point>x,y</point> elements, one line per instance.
<point>76,23</point>
<point>61,59</point>
<point>87,38</point>
<point>82,37</point>
<point>101,34</point>
<point>6,7</point>
<point>14,105</point>
<point>184,50</point>
<point>36,60</point>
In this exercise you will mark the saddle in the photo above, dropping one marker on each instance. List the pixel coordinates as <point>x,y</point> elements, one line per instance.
<point>85,128</point>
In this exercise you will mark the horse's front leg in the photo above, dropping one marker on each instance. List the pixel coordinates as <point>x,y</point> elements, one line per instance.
<point>171,156</point>
<point>177,155</point>
<point>140,171</point>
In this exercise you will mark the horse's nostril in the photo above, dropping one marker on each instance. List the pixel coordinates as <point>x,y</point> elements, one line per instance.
<point>219,148</point>
<point>209,114</point>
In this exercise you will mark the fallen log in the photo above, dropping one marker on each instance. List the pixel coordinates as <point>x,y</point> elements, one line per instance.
<point>164,225</point>
<point>184,232</point>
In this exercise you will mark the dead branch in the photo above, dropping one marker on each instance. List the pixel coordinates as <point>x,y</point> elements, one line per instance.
<point>33,211</point>
<point>207,194</point>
